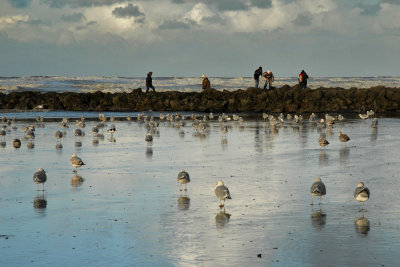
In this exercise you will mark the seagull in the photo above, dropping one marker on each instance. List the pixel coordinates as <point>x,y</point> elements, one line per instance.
<point>222,192</point>
<point>183,178</point>
<point>112,129</point>
<point>361,194</point>
<point>40,177</point>
<point>59,135</point>
<point>317,189</point>
<point>76,162</point>
<point>17,143</point>
<point>148,138</point>
<point>343,137</point>
<point>323,142</point>
<point>78,132</point>
<point>3,134</point>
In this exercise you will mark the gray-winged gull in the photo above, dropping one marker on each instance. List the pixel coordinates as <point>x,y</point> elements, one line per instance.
<point>317,189</point>
<point>183,178</point>
<point>76,162</point>
<point>361,194</point>
<point>40,177</point>
<point>222,192</point>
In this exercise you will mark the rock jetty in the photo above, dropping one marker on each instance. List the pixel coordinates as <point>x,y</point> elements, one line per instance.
<point>283,99</point>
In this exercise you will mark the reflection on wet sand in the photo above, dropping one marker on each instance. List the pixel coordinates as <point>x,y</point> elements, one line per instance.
<point>318,218</point>
<point>149,152</point>
<point>222,218</point>
<point>323,158</point>
<point>59,146</point>
<point>374,136</point>
<point>78,144</point>
<point>95,142</point>
<point>30,145</point>
<point>344,154</point>
<point>362,225</point>
<point>77,181</point>
<point>183,203</point>
<point>39,203</point>
<point>3,144</point>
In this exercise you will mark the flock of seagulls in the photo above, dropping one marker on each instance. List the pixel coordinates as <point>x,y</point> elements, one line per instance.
<point>199,125</point>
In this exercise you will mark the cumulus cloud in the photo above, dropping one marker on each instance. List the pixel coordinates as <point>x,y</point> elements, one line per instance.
<point>75,17</point>
<point>127,12</point>
<point>13,20</point>
<point>20,3</point>
<point>87,25</point>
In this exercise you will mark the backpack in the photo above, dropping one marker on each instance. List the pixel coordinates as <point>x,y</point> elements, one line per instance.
<point>301,77</point>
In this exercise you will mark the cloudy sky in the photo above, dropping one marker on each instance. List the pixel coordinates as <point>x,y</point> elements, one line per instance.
<point>192,37</point>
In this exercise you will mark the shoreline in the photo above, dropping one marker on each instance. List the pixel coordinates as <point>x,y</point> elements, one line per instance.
<point>288,99</point>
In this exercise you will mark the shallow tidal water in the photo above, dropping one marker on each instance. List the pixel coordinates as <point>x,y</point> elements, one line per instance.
<point>128,210</point>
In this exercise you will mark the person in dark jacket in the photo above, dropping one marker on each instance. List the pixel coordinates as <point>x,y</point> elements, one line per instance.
<point>149,82</point>
<point>206,82</point>
<point>303,79</point>
<point>257,73</point>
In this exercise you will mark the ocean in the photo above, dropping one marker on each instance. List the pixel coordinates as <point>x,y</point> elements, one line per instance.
<point>184,84</point>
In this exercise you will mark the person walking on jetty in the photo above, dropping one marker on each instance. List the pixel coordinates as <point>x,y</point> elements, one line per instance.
<point>206,82</point>
<point>149,82</point>
<point>269,78</point>
<point>303,79</point>
<point>257,73</point>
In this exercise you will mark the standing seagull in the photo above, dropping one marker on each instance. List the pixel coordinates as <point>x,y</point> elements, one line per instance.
<point>183,178</point>
<point>317,189</point>
<point>58,136</point>
<point>323,142</point>
<point>40,177</point>
<point>222,192</point>
<point>343,137</point>
<point>361,194</point>
<point>76,162</point>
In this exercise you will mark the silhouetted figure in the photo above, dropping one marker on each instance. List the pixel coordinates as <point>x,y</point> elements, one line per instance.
<point>303,79</point>
<point>149,82</point>
<point>257,73</point>
<point>205,83</point>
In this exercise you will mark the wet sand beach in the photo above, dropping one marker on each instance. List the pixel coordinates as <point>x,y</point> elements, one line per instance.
<point>125,208</point>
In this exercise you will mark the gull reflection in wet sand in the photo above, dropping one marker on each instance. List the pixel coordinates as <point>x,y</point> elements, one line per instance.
<point>183,202</point>
<point>344,154</point>
<point>318,218</point>
<point>77,181</point>
<point>40,203</point>
<point>149,152</point>
<point>362,225</point>
<point>222,218</point>
<point>374,136</point>
<point>323,158</point>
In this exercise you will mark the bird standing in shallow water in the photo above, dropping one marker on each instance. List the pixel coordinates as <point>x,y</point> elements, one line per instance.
<point>222,192</point>
<point>343,137</point>
<point>317,189</point>
<point>40,177</point>
<point>183,178</point>
<point>76,162</point>
<point>361,194</point>
<point>323,142</point>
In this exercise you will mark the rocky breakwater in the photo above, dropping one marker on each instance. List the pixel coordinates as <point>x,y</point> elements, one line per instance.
<point>283,99</point>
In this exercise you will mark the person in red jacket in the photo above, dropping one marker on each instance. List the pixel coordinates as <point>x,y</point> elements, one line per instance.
<point>303,79</point>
